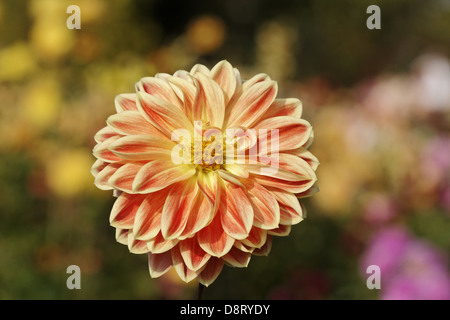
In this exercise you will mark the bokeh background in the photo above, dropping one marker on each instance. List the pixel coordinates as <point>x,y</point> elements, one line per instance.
<point>379,101</point>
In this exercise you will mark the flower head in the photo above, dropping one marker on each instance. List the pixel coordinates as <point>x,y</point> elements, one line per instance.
<point>209,167</point>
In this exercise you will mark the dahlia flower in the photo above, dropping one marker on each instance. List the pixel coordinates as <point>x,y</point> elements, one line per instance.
<point>207,168</point>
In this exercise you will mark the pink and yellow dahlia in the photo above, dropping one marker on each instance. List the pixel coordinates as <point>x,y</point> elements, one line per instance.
<point>208,167</point>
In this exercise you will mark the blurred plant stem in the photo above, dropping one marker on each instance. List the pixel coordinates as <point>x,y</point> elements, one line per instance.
<point>200,291</point>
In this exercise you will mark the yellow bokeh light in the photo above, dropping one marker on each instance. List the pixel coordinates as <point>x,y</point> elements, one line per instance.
<point>206,34</point>
<point>68,173</point>
<point>51,39</point>
<point>16,62</point>
<point>41,102</point>
<point>43,9</point>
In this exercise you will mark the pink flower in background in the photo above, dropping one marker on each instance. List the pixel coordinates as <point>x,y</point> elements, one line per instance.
<point>385,250</point>
<point>380,208</point>
<point>410,268</point>
<point>184,201</point>
<point>423,275</point>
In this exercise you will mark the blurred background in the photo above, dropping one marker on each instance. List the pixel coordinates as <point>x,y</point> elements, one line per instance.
<point>379,102</point>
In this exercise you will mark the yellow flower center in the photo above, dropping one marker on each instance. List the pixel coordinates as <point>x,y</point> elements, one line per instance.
<point>207,155</point>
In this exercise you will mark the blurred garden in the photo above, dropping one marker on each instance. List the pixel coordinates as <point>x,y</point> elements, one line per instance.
<point>378,100</point>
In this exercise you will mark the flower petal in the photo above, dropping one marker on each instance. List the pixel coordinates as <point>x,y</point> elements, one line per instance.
<point>162,114</point>
<point>285,167</point>
<point>290,107</point>
<point>201,215</point>
<point>102,178</point>
<point>237,75</point>
<point>159,88</point>
<point>177,208</point>
<point>98,166</point>
<point>209,185</point>
<point>290,208</point>
<point>293,174</point>
<point>181,268</point>
<point>104,134</point>
<point>237,258</point>
<point>132,122</point>
<point>159,264</point>
<point>224,74</point>
<point>197,105</point>
<point>193,255</point>
<point>159,245</point>
<point>228,176</point>
<point>236,170</point>
<point>214,240</point>
<point>310,140</point>
<point>211,271</point>
<point>307,156</point>
<point>260,77</point>
<point>122,179</point>
<point>183,74</point>
<point>252,104</point>
<point>158,174</point>
<point>147,223</point>
<point>188,92</point>
<point>265,206</point>
<point>256,238</point>
<point>265,249</point>
<point>142,147</point>
<point>282,231</point>
<point>212,99</point>
<point>236,211</point>
<point>200,68</point>
<point>238,141</point>
<point>291,186</point>
<point>297,166</point>
<point>162,75</point>
<point>292,132</point>
<point>244,248</point>
<point>244,85</point>
<point>125,101</point>
<point>136,246</point>
<point>122,236</point>
<point>308,193</point>
<point>101,151</point>
<point>124,210</point>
